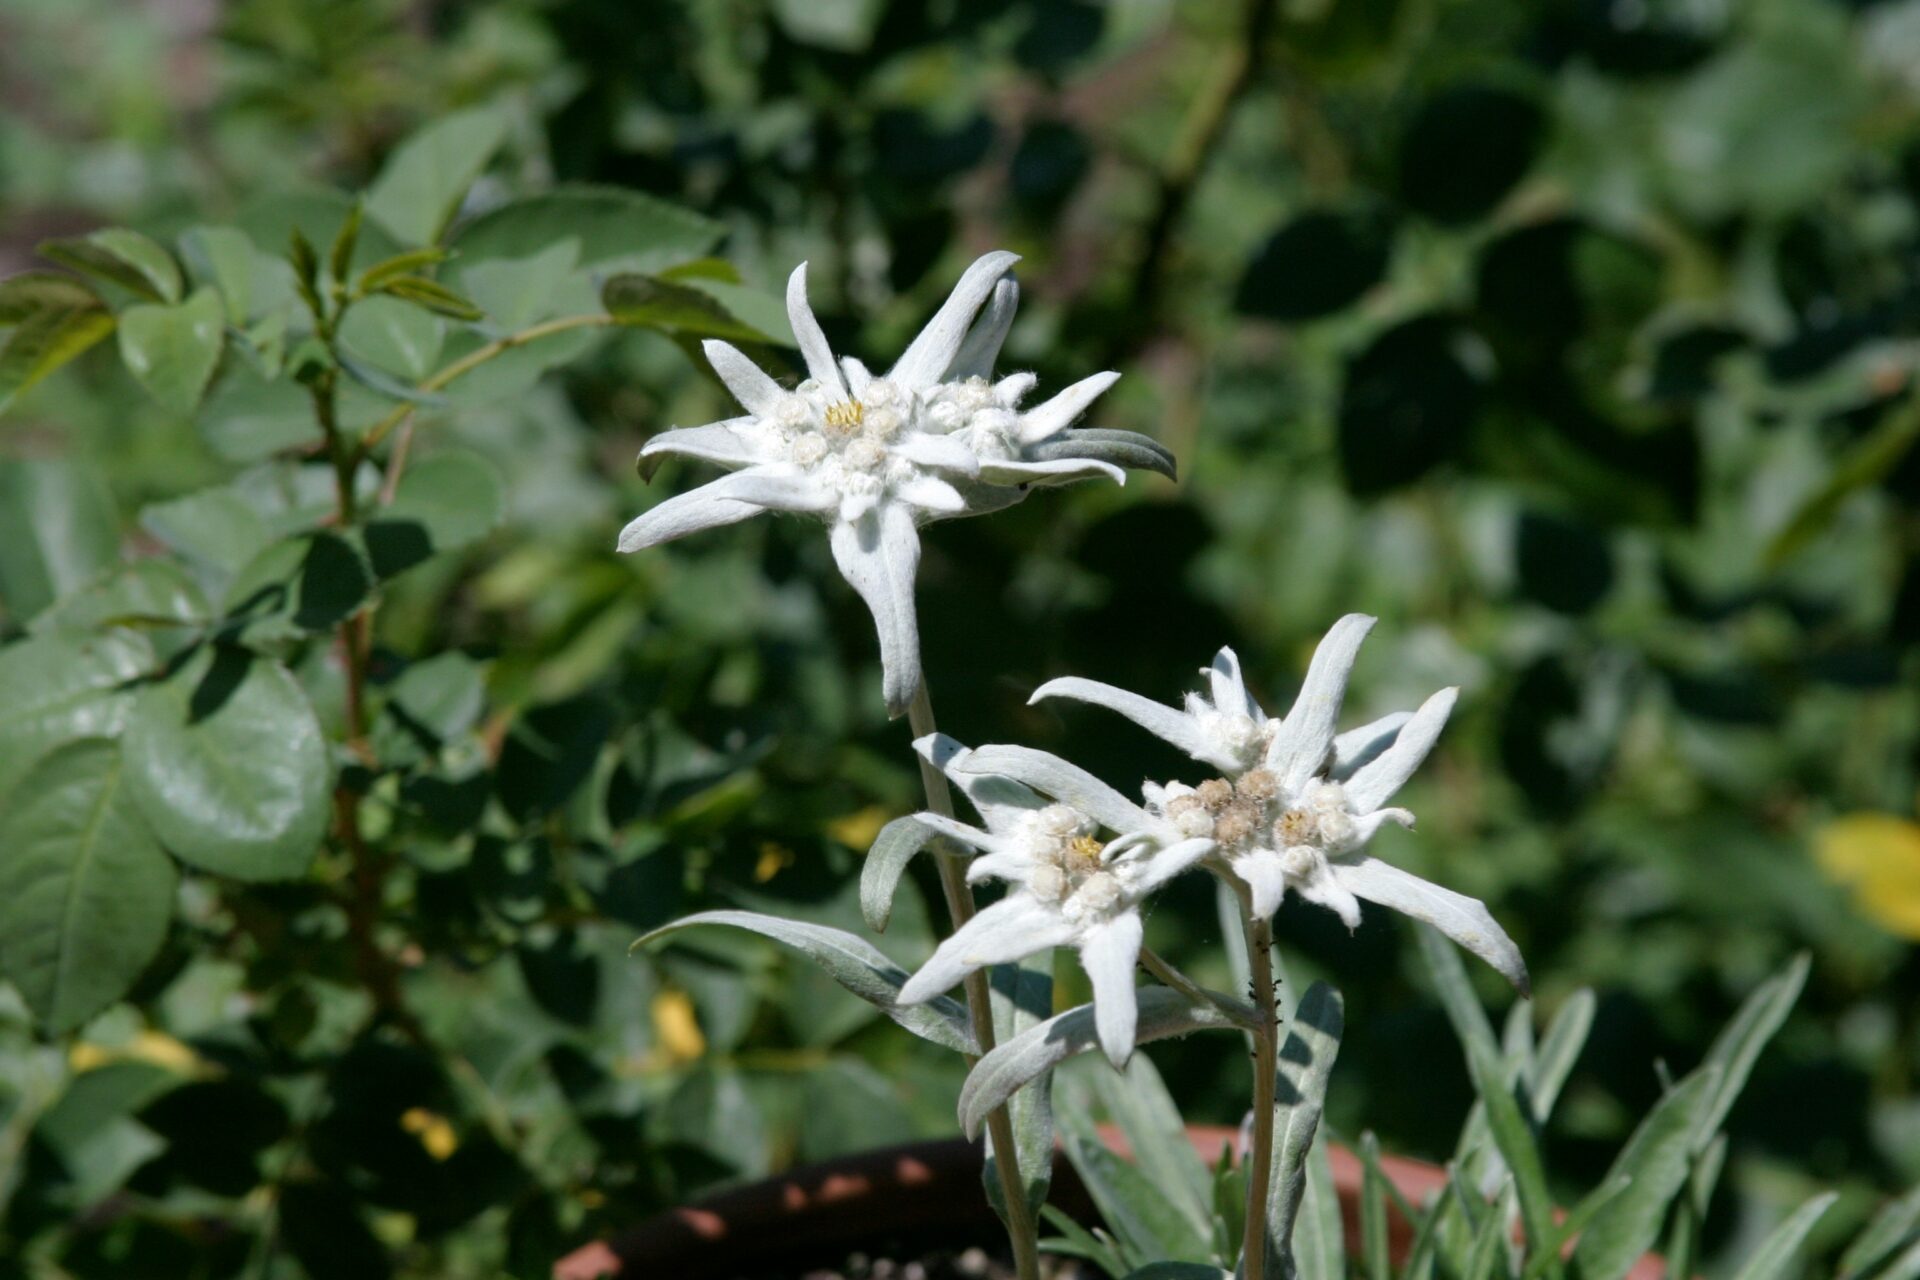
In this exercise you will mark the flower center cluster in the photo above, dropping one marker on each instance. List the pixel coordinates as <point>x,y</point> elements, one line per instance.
<point>1251,812</point>
<point>1069,868</point>
<point>845,441</point>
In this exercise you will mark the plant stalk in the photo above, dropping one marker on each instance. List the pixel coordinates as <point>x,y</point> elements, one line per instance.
<point>1022,1233</point>
<point>1266,1054</point>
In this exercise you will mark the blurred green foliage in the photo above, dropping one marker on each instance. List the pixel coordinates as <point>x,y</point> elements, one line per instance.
<point>1575,339</point>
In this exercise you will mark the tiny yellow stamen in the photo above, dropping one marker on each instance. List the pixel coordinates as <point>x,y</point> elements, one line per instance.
<point>847,413</point>
<point>1084,849</point>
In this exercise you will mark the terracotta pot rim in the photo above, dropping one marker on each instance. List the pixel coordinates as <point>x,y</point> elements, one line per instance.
<point>922,1194</point>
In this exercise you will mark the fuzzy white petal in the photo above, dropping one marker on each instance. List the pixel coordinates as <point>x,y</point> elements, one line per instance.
<point>1163,722</point>
<point>727,500</point>
<point>1169,862</point>
<point>1011,929</point>
<point>1266,876</point>
<point>972,836</point>
<point>981,347</point>
<point>757,393</point>
<point>1465,920</point>
<point>879,555</point>
<point>1356,747</point>
<point>857,374</point>
<point>1374,783</point>
<point>944,452</point>
<point>1053,471</point>
<point>928,356</point>
<point>1067,783</point>
<point>1109,951</point>
<point>1301,745</point>
<point>1326,890</point>
<point>812,339</point>
<point>1057,414</point>
<point>931,493</point>
<point>1230,687</point>
<point>718,442</point>
<point>1002,802</point>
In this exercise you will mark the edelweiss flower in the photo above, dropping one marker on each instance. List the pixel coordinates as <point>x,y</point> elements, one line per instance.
<point>1070,888</point>
<point>878,457</point>
<point>1296,804</point>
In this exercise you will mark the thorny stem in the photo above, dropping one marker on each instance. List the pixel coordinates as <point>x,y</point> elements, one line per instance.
<point>1021,1230</point>
<point>1266,1051</point>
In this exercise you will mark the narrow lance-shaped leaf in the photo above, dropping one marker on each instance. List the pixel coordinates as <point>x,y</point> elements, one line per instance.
<point>1163,1013</point>
<point>1655,1160</point>
<point>1129,1199</point>
<point>1776,1252</point>
<point>1136,1099</point>
<point>850,961</point>
<point>123,257</point>
<point>46,340</point>
<point>1022,996</point>
<point>1895,1226</point>
<point>1375,1258</point>
<point>1575,1225</point>
<point>1511,1128</point>
<point>886,862</point>
<point>1300,1095</point>
<point>1319,1242</point>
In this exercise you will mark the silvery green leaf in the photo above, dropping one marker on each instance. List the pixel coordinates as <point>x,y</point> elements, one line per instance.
<point>1127,449</point>
<point>1179,1271</point>
<point>1022,996</point>
<point>1163,1013</point>
<point>1777,1251</point>
<point>1129,1199</point>
<point>886,862</point>
<point>852,962</point>
<point>1300,1093</point>
<point>1894,1227</point>
<point>1137,1101</point>
<point>1319,1241</point>
<point>1575,1225</point>
<point>1510,1126</point>
<point>1485,1260</point>
<point>1740,1042</point>
<point>1657,1159</point>
<point>1559,1049</point>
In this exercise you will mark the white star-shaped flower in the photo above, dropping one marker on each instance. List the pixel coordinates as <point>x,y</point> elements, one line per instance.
<point>876,458</point>
<point>1296,803</point>
<point>1070,887</point>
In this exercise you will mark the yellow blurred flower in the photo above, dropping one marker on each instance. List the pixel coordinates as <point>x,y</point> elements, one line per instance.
<point>1878,856</point>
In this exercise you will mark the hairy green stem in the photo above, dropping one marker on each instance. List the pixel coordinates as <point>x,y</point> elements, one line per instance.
<point>1266,1055</point>
<point>1022,1232</point>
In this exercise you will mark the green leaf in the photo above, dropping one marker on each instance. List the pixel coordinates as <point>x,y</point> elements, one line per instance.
<point>1319,1240</point>
<point>123,257</point>
<point>1484,1260</point>
<point>215,528</point>
<point>1021,996</point>
<point>1163,1012</point>
<point>1575,1225</point>
<point>31,292</point>
<point>1137,1101</point>
<point>226,760</point>
<point>154,592</point>
<point>46,340</point>
<point>1656,1161</point>
<point>1559,1050</point>
<point>309,583</point>
<point>397,336</point>
<point>886,862</point>
<point>400,264</point>
<point>850,961</point>
<point>1892,1229</point>
<point>1300,1094</point>
<point>1147,1226</point>
<point>1374,1251</point>
<point>172,350</point>
<point>85,891</point>
<point>613,227</point>
<point>58,530</point>
<point>1179,1271</point>
<point>1511,1128</point>
<point>679,310</point>
<point>224,258</point>
<point>1740,1042</point>
<point>515,292</point>
<point>420,187</point>
<point>1867,463</point>
<point>1776,1252</point>
<point>432,295</point>
<point>306,272</point>
<point>1075,1241</point>
<point>59,688</point>
<point>444,501</point>
<point>340,257</point>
